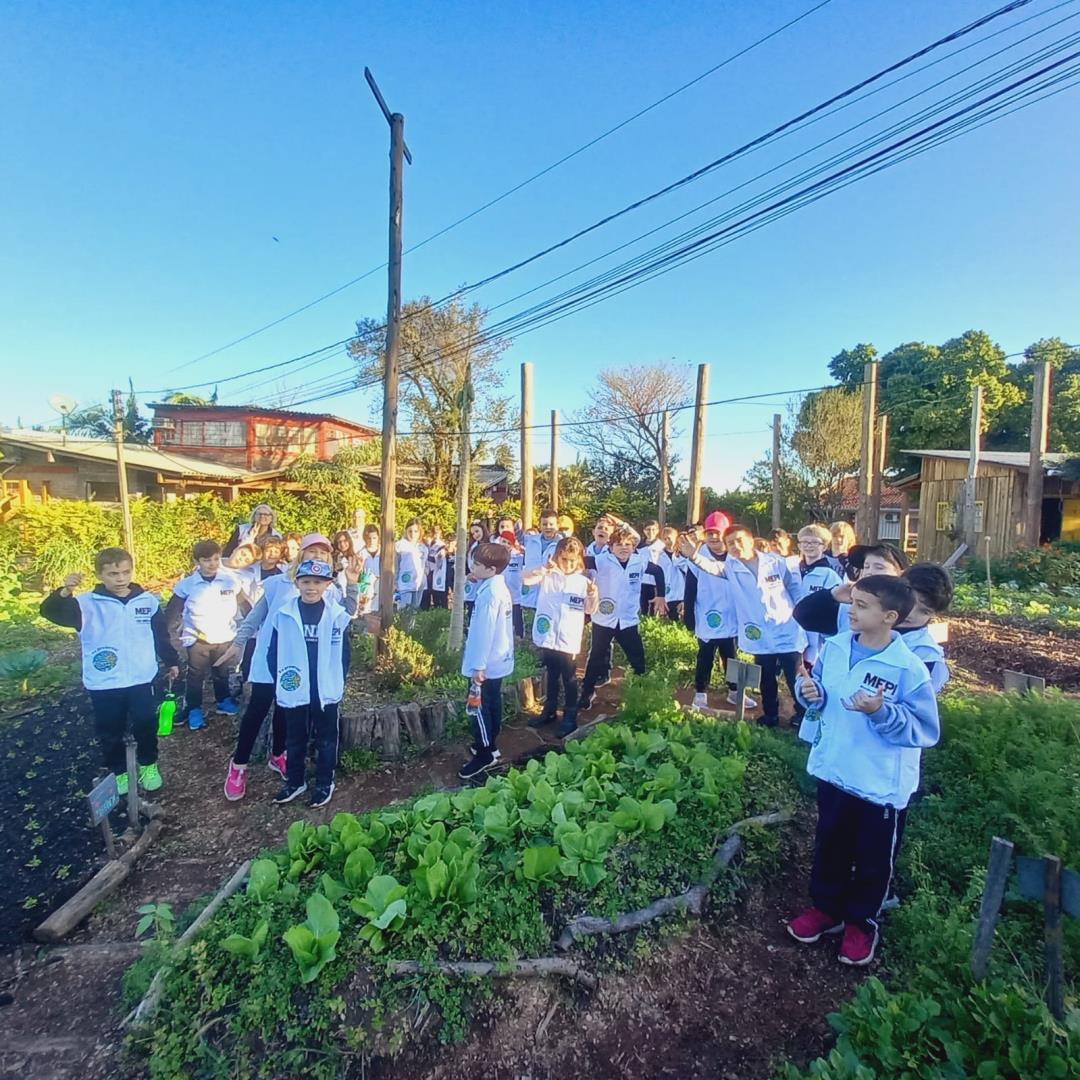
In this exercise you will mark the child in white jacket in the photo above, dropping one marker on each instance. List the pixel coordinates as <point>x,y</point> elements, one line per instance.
<point>489,653</point>
<point>876,711</point>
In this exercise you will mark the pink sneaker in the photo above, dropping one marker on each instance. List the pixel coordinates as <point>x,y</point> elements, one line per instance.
<point>812,923</point>
<point>236,782</point>
<point>277,764</point>
<point>859,945</point>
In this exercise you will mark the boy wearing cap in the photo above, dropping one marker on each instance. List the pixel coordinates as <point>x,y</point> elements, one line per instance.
<point>308,657</point>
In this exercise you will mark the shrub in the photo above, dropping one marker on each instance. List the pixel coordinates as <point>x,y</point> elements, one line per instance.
<point>403,660</point>
<point>1052,568</point>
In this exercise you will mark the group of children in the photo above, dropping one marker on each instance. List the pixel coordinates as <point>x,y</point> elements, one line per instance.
<point>848,626</point>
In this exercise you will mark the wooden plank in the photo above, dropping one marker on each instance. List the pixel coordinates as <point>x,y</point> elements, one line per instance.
<point>997,874</point>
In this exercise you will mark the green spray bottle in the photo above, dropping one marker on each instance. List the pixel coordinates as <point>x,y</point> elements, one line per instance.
<point>167,711</point>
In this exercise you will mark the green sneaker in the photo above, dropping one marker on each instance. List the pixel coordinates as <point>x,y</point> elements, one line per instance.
<point>149,777</point>
<point>121,783</point>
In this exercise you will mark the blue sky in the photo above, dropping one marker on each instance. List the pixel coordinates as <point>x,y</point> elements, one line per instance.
<point>153,151</point>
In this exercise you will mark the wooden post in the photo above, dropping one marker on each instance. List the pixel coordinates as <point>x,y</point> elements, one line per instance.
<point>399,153</point>
<point>970,535</point>
<point>133,783</point>
<point>665,438</point>
<point>1055,964</point>
<point>121,472</point>
<point>776,514</point>
<point>867,459</point>
<point>526,446</point>
<point>1040,421</point>
<point>461,545</point>
<point>997,874</point>
<point>881,438</point>
<point>989,583</point>
<point>555,458</point>
<point>697,452</point>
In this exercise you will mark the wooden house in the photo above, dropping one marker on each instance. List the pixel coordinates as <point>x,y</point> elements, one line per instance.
<point>1000,500</point>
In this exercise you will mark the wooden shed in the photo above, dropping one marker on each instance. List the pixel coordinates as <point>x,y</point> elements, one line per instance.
<point>1000,500</point>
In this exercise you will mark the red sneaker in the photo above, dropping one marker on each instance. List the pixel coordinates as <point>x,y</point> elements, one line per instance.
<point>812,923</point>
<point>277,764</point>
<point>859,945</point>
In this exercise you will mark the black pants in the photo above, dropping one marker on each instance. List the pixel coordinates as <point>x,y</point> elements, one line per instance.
<point>114,711</point>
<point>771,664</point>
<point>629,639</point>
<point>675,610</point>
<point>323,726</point>
<point>855,851</point>
<point>488,722</point>
<point>201,658</point>
<point>561,671</point>
<point>433,598</point>
<point>706,658</point>
<point>519,621</point>
<point>648,595</point>
<point>259,704</point>
<point>245,663</point>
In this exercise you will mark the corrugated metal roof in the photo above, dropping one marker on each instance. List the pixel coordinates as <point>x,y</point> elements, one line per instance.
<point>1016,459</point>
<point>286,414</point>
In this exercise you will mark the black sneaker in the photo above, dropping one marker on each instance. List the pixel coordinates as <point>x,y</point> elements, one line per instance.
<point>322,795</point>
<point>584,702</point>
<point>481,762</point>
<point>542,719</point>
<point>288,793</point>
<point>770,721</point>
<point>605,681</point>
<point>496,753</point>
<point>568,725</point>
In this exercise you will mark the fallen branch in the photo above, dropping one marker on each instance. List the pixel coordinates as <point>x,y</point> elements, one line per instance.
<point>540,966</point>
<point>585,730</point>
<point>149,1003</point>
<point>693,899</point>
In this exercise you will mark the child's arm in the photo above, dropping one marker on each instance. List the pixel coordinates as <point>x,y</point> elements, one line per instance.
<point>244,632</point>
<point>659,604</point>
<point>478,643</point>
<point>535,575</point>
<point>271,655</point>
<point>61,607</point>
<point>911,721</point>
<point>809,691</point>
<point>689,601</point>
<point>818,612</point>
<point>592,598</point>
<point>164,648</point>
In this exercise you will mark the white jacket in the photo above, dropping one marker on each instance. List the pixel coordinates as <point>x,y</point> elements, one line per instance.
<point>875,757</point>
<point>560,612</point>
<point>620,589</point>
<point>512,575</point>
<point>117,640</point>
<point>814,580</point>
<point>436,564</point>
<point>714,607</point>
<point>764,602</point>
<point>209,606</point>
<point>489,646</point>
<point>537,552</point>
<point>927,648</point>
<point>293,683</point>
<point>411,566</point>
<point>674,567</point>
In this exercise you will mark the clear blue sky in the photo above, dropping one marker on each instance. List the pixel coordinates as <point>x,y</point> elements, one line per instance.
<point>152,152</point>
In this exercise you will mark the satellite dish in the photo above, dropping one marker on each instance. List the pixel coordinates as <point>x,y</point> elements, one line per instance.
<point>62,404</point>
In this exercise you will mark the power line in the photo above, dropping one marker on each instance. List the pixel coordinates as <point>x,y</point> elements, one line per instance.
<point>516,187</point>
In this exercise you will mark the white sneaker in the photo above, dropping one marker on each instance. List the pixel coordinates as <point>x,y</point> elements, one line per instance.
<point>701,701</point>
<point>748,701</point>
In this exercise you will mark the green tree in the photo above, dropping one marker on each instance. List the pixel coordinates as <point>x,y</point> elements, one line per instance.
<point>96,422</point>
<point>438,346</point>
<point>1012,429</point>
<point>847,367</point>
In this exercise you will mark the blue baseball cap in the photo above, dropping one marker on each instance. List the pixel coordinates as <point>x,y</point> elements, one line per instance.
<point>316,569</point>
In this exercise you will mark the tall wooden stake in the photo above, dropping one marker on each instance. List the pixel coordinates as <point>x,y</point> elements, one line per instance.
<point>776,510</point>
<point>971,536</point>
<point>863,528</point>
<point>121,471</point>
<point>555,458</point>
<point>399,153</point>
<point>1040,423</point>
<point>526,446</point>
<point>697,452</point>
<point>881,453</point>
<point>461,545</point>
<point>665,438</point>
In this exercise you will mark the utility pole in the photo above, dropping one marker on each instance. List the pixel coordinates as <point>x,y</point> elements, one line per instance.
<point>1040,424</point>
<point>665,438</point>
<point>555,458</point>
<point>863,527</point>
<point>776,515</point>
<point>881,442</point>
<point>526,446</point>
<point>399,154</point>
<point>970,535</point>
<point>697,450</point>
<point>121,471</point>
<point>461,546</point>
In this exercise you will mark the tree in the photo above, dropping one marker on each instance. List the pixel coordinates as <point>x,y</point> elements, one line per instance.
<point>848,366</point>
<point>439,345</point>
<point>178,398</point>
<point>96,422</point>
<point>619,429</point>
<point>1012,430</point>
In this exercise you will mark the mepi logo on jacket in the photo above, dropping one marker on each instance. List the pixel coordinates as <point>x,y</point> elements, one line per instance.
<point>876,682</point>
<point>104,659</point>
<point>290,679</point>
<point>146,610</point>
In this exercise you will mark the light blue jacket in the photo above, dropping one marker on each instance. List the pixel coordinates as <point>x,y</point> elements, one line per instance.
<point>489,646</point>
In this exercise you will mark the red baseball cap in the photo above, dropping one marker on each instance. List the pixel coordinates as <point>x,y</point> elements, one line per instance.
<point>718,520</point>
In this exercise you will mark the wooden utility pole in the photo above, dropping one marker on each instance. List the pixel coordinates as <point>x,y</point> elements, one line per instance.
<point>1040,424</point>
<point>881,444</point>
<point>399,154</point>
<point>461,545</point>
<point>697,451</point>
<point>121,472</point>
<point>555,458</point>
<point>665,438</point>
<point>971,537</point>
<point>863,528</point>
<point>776,514</point>
<point>526,446</point>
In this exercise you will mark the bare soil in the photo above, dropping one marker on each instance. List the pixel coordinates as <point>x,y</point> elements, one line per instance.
<point>980,648</point>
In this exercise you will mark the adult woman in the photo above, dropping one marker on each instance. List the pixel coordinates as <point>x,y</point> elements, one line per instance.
<point>261,525</point>
<point>843,538</point>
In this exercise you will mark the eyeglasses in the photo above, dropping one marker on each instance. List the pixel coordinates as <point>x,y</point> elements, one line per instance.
<point>811,543</point>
